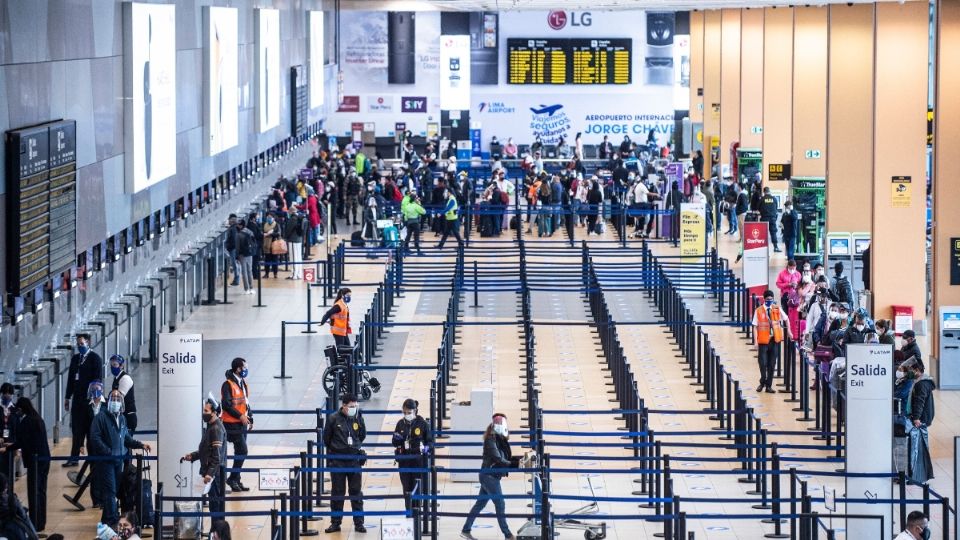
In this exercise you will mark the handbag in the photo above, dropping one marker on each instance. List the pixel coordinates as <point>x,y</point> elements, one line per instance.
<point>278,246</point>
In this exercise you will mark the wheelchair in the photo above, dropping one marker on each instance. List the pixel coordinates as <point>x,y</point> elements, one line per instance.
<point>335,377</point>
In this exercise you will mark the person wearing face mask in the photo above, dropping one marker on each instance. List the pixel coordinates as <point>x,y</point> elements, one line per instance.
<point>787,280</point>
<point>128,527</point>
<point>451,217</point>
<point>272,256</point>
<point>14,521</point>
<point>838,330</point>
<point>86,366</point>
<point>816,319</point>
<point>211,453</point>
<point>8,428</point>
<point>841,287</point>
<point>909,348</point>
<point>343,435</point>
<point>123,382</point>
<point>31,441</point>
<point>769,324</point>
<point>884,334</point>
<point>110,438</point>
<point>339,317</point>
<point>237,416</point>
<point>496,455</point>
<point>412,438</point>
<point>917,527</point>
<point>856,333</point>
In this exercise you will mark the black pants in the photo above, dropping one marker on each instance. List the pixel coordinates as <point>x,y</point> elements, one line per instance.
<point>217,503</point>
<point>341,482</point>
<point>767,359</point>
<point>772,227</point>
<point>450,226</point>
<point>409,480</point>
<point>37,493</point>
<point>341,341</point>
<point>79,425</point>
<point>236,435</point>
<point>413,229</point>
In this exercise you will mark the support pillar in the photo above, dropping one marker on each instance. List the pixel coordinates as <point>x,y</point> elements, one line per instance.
<point>777,89</point>
<point>730,84</point>
<point>751,78</point>
<point>810,91</point>
<point>711,87</point>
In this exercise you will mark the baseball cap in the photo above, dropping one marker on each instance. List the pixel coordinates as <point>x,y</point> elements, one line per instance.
<point>909,334</point>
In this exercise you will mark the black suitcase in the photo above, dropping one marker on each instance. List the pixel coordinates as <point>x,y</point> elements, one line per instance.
<point>356,239</point>
<point>514,222</point>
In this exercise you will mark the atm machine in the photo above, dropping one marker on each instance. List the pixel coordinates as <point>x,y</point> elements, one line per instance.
<point>948,376</point>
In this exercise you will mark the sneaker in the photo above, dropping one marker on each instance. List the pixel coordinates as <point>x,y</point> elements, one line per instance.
<point>467,536</point>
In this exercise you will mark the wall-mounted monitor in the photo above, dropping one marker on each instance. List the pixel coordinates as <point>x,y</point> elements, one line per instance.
<point>221,84</point>
<point>268,68</point>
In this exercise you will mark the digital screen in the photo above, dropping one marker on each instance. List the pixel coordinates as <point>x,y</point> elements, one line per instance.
<point>222,83</point>
<point>316,58</point>
<point>63,195</point>
<point>268,68</point>
<point>28,225</point>
<point>455,73</point>
<point>569,61</point>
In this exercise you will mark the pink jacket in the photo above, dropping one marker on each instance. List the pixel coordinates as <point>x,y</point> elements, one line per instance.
<point>786,280</point>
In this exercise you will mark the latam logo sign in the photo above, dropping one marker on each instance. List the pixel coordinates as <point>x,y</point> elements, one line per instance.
<point>558,19</point>
<point>413,104</point>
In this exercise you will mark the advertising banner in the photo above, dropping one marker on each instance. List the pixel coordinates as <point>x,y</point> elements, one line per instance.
<point>150,92</point>
<point>380,104</point>
<point>693,230</point>
<point>221,83</point>
<point>756,257</point>
<point>349,104</point>
<point>268,68</point>
<point>316,58</point>
<point>180,398</point>
<point>455,73</point>
<point>413,104</point>
<point>869,438</point>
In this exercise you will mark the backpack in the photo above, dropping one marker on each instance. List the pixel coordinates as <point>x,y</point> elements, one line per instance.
<point>840,288</point>
<point>545,191</point>
<point>245,243</point>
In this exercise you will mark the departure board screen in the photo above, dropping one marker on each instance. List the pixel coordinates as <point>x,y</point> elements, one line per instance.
<point>569,61</point>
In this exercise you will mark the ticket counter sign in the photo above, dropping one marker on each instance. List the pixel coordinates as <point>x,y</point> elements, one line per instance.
<point>901,192</point>
<point>693,229</point>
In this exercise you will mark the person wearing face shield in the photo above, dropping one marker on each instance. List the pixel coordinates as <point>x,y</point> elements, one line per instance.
<point>343,435</point>
<point>769,324</point>
<point>211,453</point>
<point>339,317</point>
<point>86,366</point>
<point>412,438</point>
<point>496,455</point>
<point>917,527</point>
<point>123,382</point>
<point>110,438</point>
<point>9,421</point>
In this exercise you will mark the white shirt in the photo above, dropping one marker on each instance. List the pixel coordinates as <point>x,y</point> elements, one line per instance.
<point>906,535</point>
<point>125,383</point>
<point>640,193</point>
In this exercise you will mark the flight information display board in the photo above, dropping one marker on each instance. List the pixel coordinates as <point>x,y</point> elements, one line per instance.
<point>569,61</point>
<point>41,208</point>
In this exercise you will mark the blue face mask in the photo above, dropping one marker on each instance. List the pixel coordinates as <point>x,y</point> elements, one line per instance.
<point>243,373</point>
<point>346,299</point>
<point>82,349</point>
<point>115,370</point>
<point>768,302</point>
<point>270,220</point>
<point>6,400</point>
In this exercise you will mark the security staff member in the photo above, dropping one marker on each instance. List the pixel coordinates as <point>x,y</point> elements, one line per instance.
<point>342,435</point>
<point>412,437</point>
<point>212,453</point>
<point>8,428</point>
<point>768,213</point>
<point>86,366</point>
<point>339,317</point>
<point>451,218</point>
<point>769,324</point>
<point>237,416</point>
<point>123,382</point>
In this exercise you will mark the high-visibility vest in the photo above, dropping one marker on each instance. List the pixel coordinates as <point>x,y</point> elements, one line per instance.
<point>341,320</point>
<point>451,214</point>
<point>765,325</point>
<point>239,403</point>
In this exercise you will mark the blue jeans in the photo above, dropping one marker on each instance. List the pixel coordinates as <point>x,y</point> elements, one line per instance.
<point>106,474</point>
<point>489,490</point>
<point>732,216</point>
<point>790,242</point>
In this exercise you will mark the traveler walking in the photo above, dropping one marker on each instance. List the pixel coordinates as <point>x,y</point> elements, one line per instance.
<point>110,438</point>
<point>496,455</point>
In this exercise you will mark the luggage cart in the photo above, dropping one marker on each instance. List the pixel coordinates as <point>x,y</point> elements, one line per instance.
<point>531,530</point>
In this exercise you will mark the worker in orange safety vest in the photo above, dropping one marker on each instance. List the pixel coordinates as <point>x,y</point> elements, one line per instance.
<point>339,317</point>
<point>769,325</point>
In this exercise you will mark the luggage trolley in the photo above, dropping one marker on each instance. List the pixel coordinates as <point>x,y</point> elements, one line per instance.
<point>335,380</point>
<point>531,529</point>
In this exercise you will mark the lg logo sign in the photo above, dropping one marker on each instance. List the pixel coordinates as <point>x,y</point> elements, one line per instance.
<point>558,19</point>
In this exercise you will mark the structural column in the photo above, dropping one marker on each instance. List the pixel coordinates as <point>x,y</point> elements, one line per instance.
<point>946,166</point>
<point>809,91</point>
<point>777,89</point>
<point>696,76</point>
<point>899,154</point>
<point>751,78</point>
<point>850,119</point>
<point>711,87</point>
<point>729,85</point>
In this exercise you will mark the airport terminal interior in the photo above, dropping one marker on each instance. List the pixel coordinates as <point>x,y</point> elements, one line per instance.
<point>623,269</point>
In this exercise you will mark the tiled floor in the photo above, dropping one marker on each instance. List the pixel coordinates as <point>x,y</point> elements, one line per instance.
<point>571,376</point>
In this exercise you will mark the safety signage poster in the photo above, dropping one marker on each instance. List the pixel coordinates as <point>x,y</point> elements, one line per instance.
<point>693,229</point>
<point>900,192</point>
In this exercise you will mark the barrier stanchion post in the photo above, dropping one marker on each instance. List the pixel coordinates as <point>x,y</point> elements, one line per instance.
<point>945,519</point>
<point>926,499</point>
<point>284,516</point>
<point>226,285</point>
<point>211,282</point>
<point>305,502</point>
<point>309,329</point>
<point>158,512</point>
<point>775,510</point>
<point>295,504</point>
<point>260,303</point>
<point>283,352</point>
<point>793,503</point>
<point>274,524</point>
<point>902,485</point>
<point>476,287</point>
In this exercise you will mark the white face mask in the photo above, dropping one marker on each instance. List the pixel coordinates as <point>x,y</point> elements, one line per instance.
<point>410,417</point>
<point>860,327</point>
<point>900,375</point>
<point>352,411</point>
<point>833,315</point>
<point>501,429</point>
<point>806,279</point>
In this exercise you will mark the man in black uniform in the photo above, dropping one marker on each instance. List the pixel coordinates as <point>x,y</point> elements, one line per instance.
<point>9,421</point>
<point>342,435</point>
<point>768,213</point>
<point>85,367</point>
<point>123,382</point>
<point>212,453</point>
<point>412,437</point>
